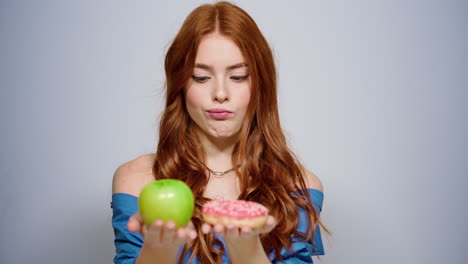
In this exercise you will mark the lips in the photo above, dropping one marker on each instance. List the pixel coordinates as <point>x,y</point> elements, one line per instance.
<point>219,114</point>
<point>219,110</point>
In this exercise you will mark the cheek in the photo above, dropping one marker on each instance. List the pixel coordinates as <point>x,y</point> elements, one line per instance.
<point>193,98</point>
<point>247,93</point>
<point>244,97</point>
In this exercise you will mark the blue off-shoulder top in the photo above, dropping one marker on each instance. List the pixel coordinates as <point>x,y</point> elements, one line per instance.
<point>128,244</point>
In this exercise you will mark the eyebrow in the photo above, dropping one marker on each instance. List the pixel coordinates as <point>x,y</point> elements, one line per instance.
<point>208,67</point>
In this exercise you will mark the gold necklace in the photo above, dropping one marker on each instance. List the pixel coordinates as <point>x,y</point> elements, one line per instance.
<point>220,174</point>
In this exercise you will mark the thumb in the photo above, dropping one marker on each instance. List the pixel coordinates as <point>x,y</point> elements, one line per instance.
<point>135,223</point>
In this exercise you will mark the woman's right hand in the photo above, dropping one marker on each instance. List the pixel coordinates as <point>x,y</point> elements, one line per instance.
<point>160,234</point>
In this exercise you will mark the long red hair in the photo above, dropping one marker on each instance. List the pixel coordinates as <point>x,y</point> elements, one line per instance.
<point>270,172</point>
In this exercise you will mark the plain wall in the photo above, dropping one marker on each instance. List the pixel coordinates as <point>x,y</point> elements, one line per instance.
<point>372,96</point>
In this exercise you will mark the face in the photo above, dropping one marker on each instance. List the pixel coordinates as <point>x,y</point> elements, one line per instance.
<point>218,93</point>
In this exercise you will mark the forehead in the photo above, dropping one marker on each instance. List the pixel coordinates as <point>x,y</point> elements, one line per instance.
<point>216,51</point>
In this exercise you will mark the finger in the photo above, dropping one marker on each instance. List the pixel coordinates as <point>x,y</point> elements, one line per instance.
<point>192,234</point>
<point>219,229</point>
<point>270,220</point>
<point>168,233</point>
<point>135,223</point>
<point>184,235</point>
<point>153,235</point>
<point>190,225</point>
<point>144,231</point>
<point>206,228</point>
<point>269,225</point>
<point>181,236</point>
<point>246,231</point>
<point>232,231</point>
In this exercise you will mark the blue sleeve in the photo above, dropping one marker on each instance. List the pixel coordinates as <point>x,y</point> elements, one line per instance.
<point>127,244</point>
<point>302,251</point>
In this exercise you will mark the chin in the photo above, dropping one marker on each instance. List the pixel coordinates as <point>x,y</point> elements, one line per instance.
<point>223,134</point>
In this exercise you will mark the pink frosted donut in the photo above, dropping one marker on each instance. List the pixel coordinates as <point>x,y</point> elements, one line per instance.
<point>239,212</point>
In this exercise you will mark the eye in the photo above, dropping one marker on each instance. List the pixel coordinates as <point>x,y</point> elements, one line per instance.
<point>204,79</point>
<point>200,79</point>
<point>239,78</point>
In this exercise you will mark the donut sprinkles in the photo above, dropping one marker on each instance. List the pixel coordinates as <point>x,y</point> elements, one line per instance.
<point>238,212</point>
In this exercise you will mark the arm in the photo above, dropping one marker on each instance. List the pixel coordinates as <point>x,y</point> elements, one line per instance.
<point>134,242</point>
<point>130,246</point>
<point>249,251</point>
<point>149,255</point>
<point>162,240</point>
<point>127,244</point>
<point>243,243</point>
<point>302,251</point>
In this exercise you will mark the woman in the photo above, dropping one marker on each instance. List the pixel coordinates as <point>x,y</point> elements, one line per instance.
<point>220,133</point>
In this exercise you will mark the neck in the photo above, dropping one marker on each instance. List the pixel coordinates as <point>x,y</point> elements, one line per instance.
<point>219,152</point>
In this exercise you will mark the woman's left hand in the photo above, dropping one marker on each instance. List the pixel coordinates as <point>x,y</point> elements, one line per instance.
<point>231,233</point>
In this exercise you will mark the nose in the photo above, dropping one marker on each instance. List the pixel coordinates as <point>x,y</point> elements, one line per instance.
<point>220,93</point>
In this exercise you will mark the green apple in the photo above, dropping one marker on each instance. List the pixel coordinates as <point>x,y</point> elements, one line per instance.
<point>166,199</point>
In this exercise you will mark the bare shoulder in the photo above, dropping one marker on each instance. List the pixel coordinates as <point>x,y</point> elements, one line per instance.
<point>313,181</point>
<point>133,175</point>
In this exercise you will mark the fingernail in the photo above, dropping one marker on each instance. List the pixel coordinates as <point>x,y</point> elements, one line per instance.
<point>181,232</point>
<point>170,224</point>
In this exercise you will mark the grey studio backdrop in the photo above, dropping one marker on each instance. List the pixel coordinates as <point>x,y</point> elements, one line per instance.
<point>372,98</point>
